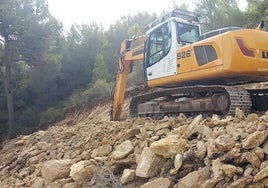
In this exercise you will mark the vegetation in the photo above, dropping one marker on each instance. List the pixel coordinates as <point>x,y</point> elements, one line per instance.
<point>44,71</point>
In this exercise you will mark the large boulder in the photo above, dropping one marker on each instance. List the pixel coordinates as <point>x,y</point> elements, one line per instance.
<point>149,164</point>
<point>102,151</point>
<point>255,139</point>
<point>55,169</point>
<point>194,179</point>
<point>170,146</point>
<point>122,150</point>
<point>127,176</point>
<point>82,171</point>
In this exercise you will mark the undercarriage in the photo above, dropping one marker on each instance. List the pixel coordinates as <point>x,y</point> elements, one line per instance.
<point>222,100</point>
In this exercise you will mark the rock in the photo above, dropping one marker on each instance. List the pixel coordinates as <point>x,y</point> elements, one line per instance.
<point>205,131</point>
<point>178,161</point>
<point>132,133</point>
<point>61,182</point>
<point>181,118</point>
<point>254,140</point>
<point>70,185</point>
<point>252,117</point>
<point>54,185</point>
<point>211,183</point>
<point>230,155</point>
<point>55,169</point>
<point>165,125</point>
<point>163,132</point>
<point>196,121</point>
<point>212,150</point>
<point>127,176</point>
<point>42,146</point>
<point>159,183</point>
<point>38,183</point>
<point>261,174</point>
<point>149,164</point>
<point>233,150</point>
<point>259,152</point>
<point>248,171</point>
<point>20,143</point>
<point>172,122</point>
<point>149,126</point>
<point>214,120</point>
<point>231,170</point>
<point>102,151</point>
<point>170,146</point>
<point>262,126</point>
<point>201,149</point>
<point>239,114</point>
<point>224,143</point>
<point>68,134</point>
<point>266,115</point>
<point>82,171</point>
<point>264,182</point>
<point>194,179</point>
<point>181,131</point>
<point>253,159</point>
<point>220,169</point>
<point>122,150</point>
<point>196,126</point>
<point>241,182</point>
<point>264,164</point>
<point>265,147</point>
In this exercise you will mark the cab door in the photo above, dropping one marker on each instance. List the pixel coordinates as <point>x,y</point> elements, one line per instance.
<point>161,48</point>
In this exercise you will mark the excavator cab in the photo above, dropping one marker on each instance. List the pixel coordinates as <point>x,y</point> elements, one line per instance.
<point>165,36</point>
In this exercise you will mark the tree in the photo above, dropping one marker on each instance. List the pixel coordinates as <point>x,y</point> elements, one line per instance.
<point>229,14</point>
<point>257,10</point>
<point>207,10</point>
<point>219,13</point>
<point>124,28</point>
<point>26,31</point>
<point>82,44</point>
<point>100,70</point>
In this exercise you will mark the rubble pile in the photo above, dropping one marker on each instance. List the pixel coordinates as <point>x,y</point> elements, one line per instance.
<point>88,150</point>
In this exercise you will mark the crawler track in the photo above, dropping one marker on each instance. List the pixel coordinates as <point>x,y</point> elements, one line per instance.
<point>201,99</point>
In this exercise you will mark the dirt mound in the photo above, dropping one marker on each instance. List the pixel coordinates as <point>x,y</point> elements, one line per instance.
<point>88,150</point>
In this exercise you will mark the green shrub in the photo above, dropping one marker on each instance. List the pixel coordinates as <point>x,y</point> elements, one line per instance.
<point>28,117</point>
<point>99,90</point>
<point>51,115</point>
<point>136,76</point>
<point>20,130</point>
<point>78,98</point>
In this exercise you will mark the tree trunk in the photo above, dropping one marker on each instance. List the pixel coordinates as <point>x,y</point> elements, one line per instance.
<point>9,89</point>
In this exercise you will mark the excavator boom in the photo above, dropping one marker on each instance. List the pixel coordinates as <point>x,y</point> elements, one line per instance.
<point>127,56</point>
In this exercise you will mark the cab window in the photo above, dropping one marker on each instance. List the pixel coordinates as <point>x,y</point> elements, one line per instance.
<point>187,33</point>
<point>158,44</point>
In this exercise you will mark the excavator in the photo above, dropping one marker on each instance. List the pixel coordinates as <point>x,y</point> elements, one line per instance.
<point>192,72</point>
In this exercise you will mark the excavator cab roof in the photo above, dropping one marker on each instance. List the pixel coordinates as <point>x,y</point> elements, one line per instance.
<point>188,16</point>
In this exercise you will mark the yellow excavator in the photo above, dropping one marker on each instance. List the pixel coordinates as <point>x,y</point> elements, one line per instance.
<point>193,72</point>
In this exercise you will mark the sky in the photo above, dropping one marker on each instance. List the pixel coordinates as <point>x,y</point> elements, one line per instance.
<point>106,12</point>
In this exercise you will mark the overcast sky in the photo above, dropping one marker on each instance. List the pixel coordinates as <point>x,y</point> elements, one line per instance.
<point>106,12</point>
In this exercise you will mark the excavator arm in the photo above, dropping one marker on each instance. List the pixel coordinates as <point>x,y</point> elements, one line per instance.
<point>127,56</point>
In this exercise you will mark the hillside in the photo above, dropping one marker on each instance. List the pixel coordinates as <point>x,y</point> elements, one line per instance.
<point>88,150</point>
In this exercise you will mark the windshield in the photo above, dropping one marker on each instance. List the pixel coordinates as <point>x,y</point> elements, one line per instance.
<point>159,44</point>
<point>187,33</point>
